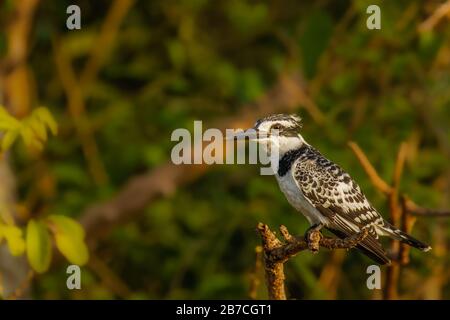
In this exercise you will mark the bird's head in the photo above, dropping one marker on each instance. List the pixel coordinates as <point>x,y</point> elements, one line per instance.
<point>280,130</point>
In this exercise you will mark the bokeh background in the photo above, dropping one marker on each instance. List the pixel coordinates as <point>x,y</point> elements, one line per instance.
<point>137,70</point>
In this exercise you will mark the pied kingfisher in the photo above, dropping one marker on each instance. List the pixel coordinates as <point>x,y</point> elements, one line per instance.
<point>322,191</point>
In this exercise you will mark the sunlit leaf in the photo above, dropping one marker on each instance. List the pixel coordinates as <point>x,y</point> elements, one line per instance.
<point>73,248</point>
<point>39,250</point>
<point>2,235</point>
<point>69,237</point>
<point>46,117</point>
<point>39,128</point>
<point>32,129</point>
<point>8,139</point>
<point>7,122</point>
<point>27,135</point>
<point>13,236</point>
<point>8,125</point>
<point>66,225</point>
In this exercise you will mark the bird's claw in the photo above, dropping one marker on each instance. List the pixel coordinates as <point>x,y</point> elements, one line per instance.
<point>313,237</point>
<point>313,240</point>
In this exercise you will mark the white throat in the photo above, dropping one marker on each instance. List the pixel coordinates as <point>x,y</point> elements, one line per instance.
<point>283,144</point>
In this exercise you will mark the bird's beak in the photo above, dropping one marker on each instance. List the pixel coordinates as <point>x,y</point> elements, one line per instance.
<point>252,135</point>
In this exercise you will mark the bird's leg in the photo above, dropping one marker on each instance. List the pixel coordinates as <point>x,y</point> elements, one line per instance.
<point>313,236</point>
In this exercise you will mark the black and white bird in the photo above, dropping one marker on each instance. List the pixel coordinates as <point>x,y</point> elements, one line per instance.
<point>323,191</point>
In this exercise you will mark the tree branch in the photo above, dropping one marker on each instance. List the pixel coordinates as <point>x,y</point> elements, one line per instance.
<point>276,253</point>
<point>402,213</point>
<point>413,209</point>
<point>440,13</point>
<point>377,181</point>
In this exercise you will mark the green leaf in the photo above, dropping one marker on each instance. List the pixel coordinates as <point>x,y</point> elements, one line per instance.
<point>13,236</point>
<point>73,248</point>
<point>27,135</point>
<point>69,237</point>
<point>39,250</point>
<point>46,117</point>
<point>39,128</point>
<point>66,225</point>
<point>8,125</point>
<point>7,122</point>
<point>33,129</point>
<point>8,139</point>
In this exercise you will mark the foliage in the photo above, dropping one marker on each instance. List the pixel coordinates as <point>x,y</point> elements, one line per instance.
<point>36,242</point>
<point>119,87</point>
<point>33,129</point>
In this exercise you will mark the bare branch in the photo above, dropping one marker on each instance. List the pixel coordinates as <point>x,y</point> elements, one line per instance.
<point>440,13</point>
<point>274,269</point>
<point>377,181</point>
<point>413,209</point>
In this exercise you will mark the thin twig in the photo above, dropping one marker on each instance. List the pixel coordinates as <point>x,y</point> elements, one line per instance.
<point>110,28</point>
<point>77,109</point>
<point>108,277</point>
<point>377,181</point>
<point>442,11</point>
<point>415,210</point>
<point>407,225</point>
<point>397,215</point>
<point>402,211</point>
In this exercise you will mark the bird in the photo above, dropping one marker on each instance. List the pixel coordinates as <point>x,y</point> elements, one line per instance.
<point>322,191</point>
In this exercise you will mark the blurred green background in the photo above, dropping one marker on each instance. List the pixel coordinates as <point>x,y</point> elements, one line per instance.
<point>137,70</point>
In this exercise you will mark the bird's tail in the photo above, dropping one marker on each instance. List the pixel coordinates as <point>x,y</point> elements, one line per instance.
<point>370,246</point>
<point>397,234</point>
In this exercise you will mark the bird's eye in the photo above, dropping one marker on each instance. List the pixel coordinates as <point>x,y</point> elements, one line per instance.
<point>276,126</point>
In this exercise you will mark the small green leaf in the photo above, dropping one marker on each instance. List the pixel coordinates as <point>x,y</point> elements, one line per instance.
<point>13,236</point>
<point>27,135</point>
<point>73,248</point>
<point>8,139</point>
<point>7,122</point>
<point>66,225</point>
<point>39,128</point>
<point>46,117</point>
<point>33,129</point>
<point>39,250</point>
<point>69,237</point>
<point>8,125</point>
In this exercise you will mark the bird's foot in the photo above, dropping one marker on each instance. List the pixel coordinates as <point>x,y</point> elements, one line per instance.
<point>313,237</point>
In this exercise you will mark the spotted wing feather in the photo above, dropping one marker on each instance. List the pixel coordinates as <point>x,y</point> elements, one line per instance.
<point>335,195</point>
